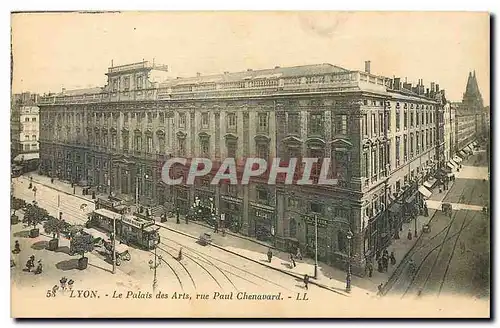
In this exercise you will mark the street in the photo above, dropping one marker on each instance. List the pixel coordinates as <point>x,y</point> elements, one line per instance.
<point>450,259</point>
<point>202,268</point>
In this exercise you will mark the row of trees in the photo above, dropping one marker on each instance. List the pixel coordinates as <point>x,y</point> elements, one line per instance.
<point>35,215</point>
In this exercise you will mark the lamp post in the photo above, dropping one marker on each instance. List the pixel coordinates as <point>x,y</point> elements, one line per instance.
<point>315,246</point>
<point>153,265</point>
<point>348,277</point>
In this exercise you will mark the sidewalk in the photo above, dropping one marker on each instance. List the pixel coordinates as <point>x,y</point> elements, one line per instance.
<point>328,277</point>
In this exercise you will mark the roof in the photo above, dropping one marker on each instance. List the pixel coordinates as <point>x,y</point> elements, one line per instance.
<point>108,213</point>
<point>278,72</point>
<point>79,92</point>
<point>26,157</point>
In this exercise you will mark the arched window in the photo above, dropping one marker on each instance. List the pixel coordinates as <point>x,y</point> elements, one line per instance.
<point>293,228</point>
<point>341,240</point>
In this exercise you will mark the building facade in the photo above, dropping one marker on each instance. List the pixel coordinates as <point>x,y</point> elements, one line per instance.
<point>24,126</point>
<point>383,138</point>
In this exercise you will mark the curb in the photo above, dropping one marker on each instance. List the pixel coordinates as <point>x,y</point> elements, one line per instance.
<point>63,191</point>
<point>297,276</point>
<point>391,280</point>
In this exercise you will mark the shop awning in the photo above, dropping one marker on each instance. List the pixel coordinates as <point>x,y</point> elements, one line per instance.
<point>395,208</point>
<point>457,159</point>
<point>450,175</point>
<point>411,198</point>
<point>430,183</point>
<point>424,191</point>
<point>450,165</point>
<point>462,154</point>
<point>452,162</point>
<point>26,157</point>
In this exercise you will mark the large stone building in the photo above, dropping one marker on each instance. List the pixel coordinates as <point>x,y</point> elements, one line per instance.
<point>24,124</point>
<point>385,138</point>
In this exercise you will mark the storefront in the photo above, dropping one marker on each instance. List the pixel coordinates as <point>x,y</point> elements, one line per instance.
<point>232,208</point>
<point>311,237</point>
<point>264,221</point>
<point>182,198</point>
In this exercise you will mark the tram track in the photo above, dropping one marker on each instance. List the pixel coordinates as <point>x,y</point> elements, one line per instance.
<point>440,246</point>
<point>180,263</point>
<point>206,256</point>
<point>173,270</point>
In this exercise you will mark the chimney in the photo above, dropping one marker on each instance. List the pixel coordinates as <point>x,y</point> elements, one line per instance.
<point>198,74</point>
<point>427,92</point>
<point>226,73</point>
<point>437,87</point>
<point>367,66</point>
<point>63,90</point>
<point>249,70</point>
<point>432,86</point>
<point>276,67</point>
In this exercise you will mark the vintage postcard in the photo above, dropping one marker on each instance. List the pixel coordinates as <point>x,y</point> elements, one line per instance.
<point>250,164</point>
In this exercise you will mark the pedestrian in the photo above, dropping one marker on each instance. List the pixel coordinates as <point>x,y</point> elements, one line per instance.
<point>216,227</point>
<point>63,283</point>
<point>409,235</point>
<point>386,253</point>
<point>393,258</point>
<point>369,267</point>
<point>292,261</point>
<point>385,262</point>
<point>306,281</point>
<point>299,254</point>
<point>269,255</point>
<point>177,215</point>
<point>380,289</point>
<point>17,248</point>
<point>179,256</point>
<point>70,284</point>
<point>426,210</point>
<point>51,180</point>
<point>377,255</point>
<point>380,267</point>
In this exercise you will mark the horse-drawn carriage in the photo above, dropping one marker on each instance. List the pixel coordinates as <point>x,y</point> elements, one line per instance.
<point>121,251</point>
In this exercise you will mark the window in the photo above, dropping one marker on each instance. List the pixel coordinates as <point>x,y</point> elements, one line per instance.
<point>139,83</point>
<point>367,164</point>
<point>113,141</point>
<point>426,118</point>
<point>26,119</point>
<point>405,147</point>
<point>398,142</point>
<point>263,151</point>
<point>204,145</point>
<point>293,228</point>
<point>365,124</point>
<point>125,117</point>
<point>262,194</point>
<point>411,119</point>
<point>182,147</point>
<point>33,146</point>
<point>405,120</point>
<point>398,122</point>
<point>418,119</point>
<point>231,121</point>
<point>150,118</point>
<point>162,117</point>
<point>125,141</point>
<point>26,147</point>
<point>374,162</point>
<point>411,144</point>
<point>262,127</point>
<point>33,119</point>
<point>126,83</point>
<point>293,123</point>
<point>316,123</point>
<point>380,123</point>
<point>341,240</point>
<point>231,149</point>
<point>204,120</point>
<point>398,186</point>
<point>418,142</point>
<point>422,120</point>
<point>341,124</point>
<point>182,120</point>
<point>115,84</point>
<point>137,143</point>
<point>374,130</point>
<point>150,144</point>
<point>388,120</point>
<point>316,207</point>
<point>27,137</point>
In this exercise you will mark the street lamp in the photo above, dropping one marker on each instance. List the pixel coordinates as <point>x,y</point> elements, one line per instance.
<point>315,246</point>
<point>348,278</point>
<point>153,265</point>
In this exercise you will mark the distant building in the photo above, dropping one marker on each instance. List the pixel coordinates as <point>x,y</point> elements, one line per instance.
<point>24,127</point>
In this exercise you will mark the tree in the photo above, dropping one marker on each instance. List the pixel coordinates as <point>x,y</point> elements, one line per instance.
<point>35,215</point>
<point>17,204</point>
<point>82,243</point>
<point>54,226</point>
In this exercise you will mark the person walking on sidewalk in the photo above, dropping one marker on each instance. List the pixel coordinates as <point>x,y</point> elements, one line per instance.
<point>393,258</point>
<point>379,287</point>
<point>216,226</point>
<point>306,281</point>
<point>292,261</point>
<point>269,255</point>
<point>380,266</point>
<point>369,268</point>
<point>299,254</point>
<point>385,262</point>
<point>177,215</point>
<point>409,235</point>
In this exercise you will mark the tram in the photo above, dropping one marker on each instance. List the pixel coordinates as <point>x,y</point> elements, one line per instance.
<point>129,229</point>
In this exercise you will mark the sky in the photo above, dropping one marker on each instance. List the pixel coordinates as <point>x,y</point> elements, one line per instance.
<point>52,51</point>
